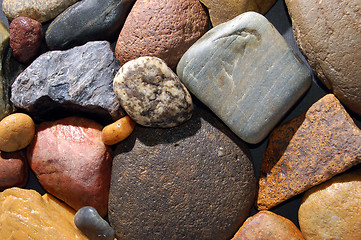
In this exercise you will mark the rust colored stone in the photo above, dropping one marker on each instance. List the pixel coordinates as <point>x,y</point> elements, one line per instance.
<point>326,143</point>
<point>221,11</point>
<point>268,225</point>
<point>13,169</point>
<point>163,29</point>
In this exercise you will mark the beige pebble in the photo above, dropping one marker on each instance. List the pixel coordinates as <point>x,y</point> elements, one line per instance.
<point>118,131</point>
<point>16,132</point>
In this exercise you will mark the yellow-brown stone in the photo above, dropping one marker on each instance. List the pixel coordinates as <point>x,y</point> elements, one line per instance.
<point>25,214</point>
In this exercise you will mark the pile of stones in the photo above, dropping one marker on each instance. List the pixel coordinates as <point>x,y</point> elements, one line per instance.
<point>143,111</point>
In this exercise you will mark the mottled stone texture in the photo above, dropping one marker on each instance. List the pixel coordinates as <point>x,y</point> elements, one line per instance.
<point>194,181</point>
<point>87,20</point>
<point>161,28</point>
<point>40,10</point>
<point>71,162</point>
<point>14,169</point>
<point>221,11</point>
<point>246,73</point>
<point>152,94</point>
<point>26,36</point>
<point>328,34</point>
<point>332,209</point>
<point>266,225</point>
<point>305,153</point>
<point>78,80</point>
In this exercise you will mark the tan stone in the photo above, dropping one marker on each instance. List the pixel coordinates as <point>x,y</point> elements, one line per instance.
<point>221,11</point>
<point>268,225</point>
<point>328,34</point>
<point>327,142</point>
<point>332,210</point>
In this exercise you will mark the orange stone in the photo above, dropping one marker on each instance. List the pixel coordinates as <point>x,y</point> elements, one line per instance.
<point>305,153</point>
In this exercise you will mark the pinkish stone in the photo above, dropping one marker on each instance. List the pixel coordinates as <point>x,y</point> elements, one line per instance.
<point>13,169</point>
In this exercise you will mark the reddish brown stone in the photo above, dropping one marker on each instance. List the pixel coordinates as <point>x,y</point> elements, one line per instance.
<point>326,143</point>
<point>13,169</point>
<point>71,162</point>
<point>268,225</point>
<point>26,35</point>
<point>164,29</point>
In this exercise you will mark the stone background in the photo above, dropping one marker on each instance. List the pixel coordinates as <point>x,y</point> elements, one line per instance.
<point>278,16</point>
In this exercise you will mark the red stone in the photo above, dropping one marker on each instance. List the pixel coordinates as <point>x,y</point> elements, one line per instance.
<point>13,169</point>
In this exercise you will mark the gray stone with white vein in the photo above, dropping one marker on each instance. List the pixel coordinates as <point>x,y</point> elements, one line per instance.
<point>246,73</point>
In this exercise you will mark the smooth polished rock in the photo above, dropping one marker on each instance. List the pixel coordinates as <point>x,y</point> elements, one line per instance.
<point>87,20</point>
<point>221,11</point>
<point>161,28</point>
<point>152,94</point>
<point>308,151</point>
<point>246,73</point>
<point>40,10</point>
<point>193,181</point>
<point>332,209</point>
<point>328,34</point>
<point>78,80</point>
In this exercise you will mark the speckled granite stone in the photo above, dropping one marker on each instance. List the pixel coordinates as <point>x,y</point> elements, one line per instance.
<point>246,73</point>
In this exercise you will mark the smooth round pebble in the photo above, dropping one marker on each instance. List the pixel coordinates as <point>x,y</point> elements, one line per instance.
<point>92,225</point>
<point>152,94</point>
<point>118,131</point>
<point>16,132</point>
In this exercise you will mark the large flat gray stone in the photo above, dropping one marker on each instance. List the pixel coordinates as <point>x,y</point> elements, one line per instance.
<point>246,73</point>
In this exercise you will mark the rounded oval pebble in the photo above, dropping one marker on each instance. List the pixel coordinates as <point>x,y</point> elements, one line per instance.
<point>332,210</point>
<point>152,94</point>
<point>16,132</point>
<point>118,131</point>
<point>13,169</point>
<point>92,225</point>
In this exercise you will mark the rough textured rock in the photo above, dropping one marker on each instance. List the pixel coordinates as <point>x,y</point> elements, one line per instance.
<point>332,209</point>
<point>6,107</point>
<point>78,80</point>
<point>71,162</point>
<point>13,170</point>
<point>221,11</point>
<point>152,94</point>
<point>194,181</point>
<point>246,73</point>
<point>267,225</point>
<point>87,20</point>
<point>327,142</point>
<point>40,10</point>
<point>164,29</point>
<point>328,34</point>
<point>26,36</point>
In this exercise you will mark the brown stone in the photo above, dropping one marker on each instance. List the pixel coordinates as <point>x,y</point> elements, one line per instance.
<point>164,29</point>
<point>332,210</point>
<point>26,36</point>
<point>221,11</point>
<point>13,169</point>
<point>71,162</point>
<point>268,225</point>
<point>328,34</point>
<point>326,143</point>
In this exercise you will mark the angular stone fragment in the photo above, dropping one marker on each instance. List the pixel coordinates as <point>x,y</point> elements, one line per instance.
<point>221,11</point>
<point>328,34</point>
<point>71,162</point>
<point>85,21</point>
<point>194,181</point>
<point>14,169</point>
<point>40,10</point>
<point>76,80</point>
<point>332,209</point>
<point>152,94</point>
<point>161,28</point>
<point>326,143</point>
<point>266,225</point>
<point>26,36</point>
<point>246,73</point>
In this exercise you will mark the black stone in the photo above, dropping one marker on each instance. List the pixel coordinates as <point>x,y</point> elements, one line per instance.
<point>87,20</point>
<point>194,181</point>
<point>73,82</point>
